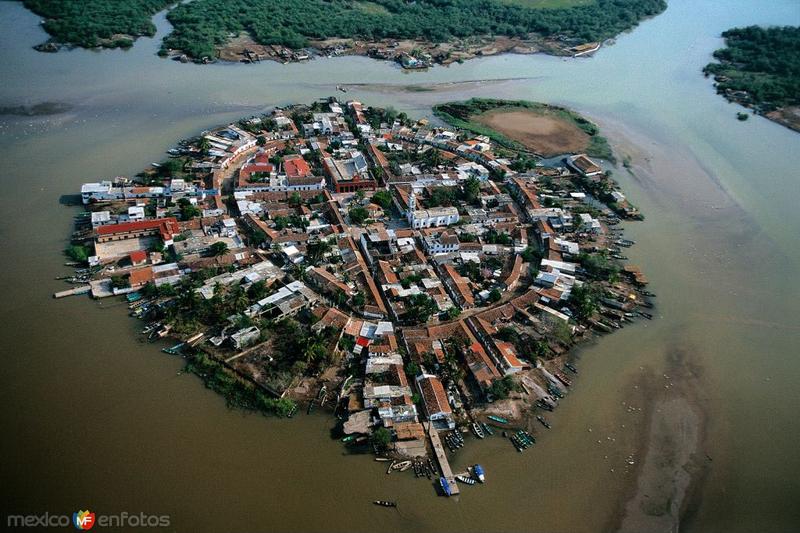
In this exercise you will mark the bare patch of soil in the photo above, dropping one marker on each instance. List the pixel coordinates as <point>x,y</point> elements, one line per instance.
<point>544,134</point>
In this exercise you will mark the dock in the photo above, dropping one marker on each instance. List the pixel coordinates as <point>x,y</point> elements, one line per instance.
<point>444,464</point>
<point>83,289</point>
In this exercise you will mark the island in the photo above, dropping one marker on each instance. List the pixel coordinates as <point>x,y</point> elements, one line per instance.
<point>415,34</point>
<point>760,69</point>
<point>417,281</point>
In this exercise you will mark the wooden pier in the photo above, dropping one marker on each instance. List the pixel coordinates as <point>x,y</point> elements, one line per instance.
<point>444,464</point>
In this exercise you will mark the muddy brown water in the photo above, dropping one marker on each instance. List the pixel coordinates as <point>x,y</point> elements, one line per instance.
<point>96,419</point>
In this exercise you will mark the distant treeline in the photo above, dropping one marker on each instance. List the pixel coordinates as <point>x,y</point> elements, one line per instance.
<point>93,23</point>
<point>201,25</point>
<point>763,62</point>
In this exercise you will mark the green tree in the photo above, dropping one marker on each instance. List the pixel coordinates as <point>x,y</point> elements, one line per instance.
<point>381,438</point>
<point>472,190</point>
<point>205,145</point>
<point>584,300</point>
<point>188,211</point>
<point>420,307</point>
<point>76,252</point>
<point>358,215</point>
<point>453,313</point>
<point>218,248</point>
<point>383,198</point>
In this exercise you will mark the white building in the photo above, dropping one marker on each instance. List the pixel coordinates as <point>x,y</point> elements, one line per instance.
<point>428,218</point>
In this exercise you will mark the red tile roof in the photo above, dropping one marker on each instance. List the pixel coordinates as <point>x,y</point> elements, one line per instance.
<point>296,167</point>
<point>433,395</point>
<point>167,227</point>
<point>140,276</point>
<point>138,256</point>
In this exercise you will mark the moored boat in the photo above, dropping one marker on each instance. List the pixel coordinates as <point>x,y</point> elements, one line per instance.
<point>465,479</point>
<point>544,422</point>
<point>385,503</point>
<point>478,469</point>
<point>445,486</point>
<point>477,430</point>
<point>562,377</point>
<point>487,429</point>
<point>544,405</point>
<point>402,465</point>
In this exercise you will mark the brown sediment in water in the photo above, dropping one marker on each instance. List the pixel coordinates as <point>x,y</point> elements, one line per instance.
<point>40,109</point>
<point>671,466</point>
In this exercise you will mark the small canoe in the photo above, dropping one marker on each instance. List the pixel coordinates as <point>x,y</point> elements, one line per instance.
<point>385,503</point>
<point>499,419</point>
<point>543,421</point>
<point>402,466</point>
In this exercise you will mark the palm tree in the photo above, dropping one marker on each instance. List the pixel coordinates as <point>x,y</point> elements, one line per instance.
<point>239,299</point>
<point>314,348</point>
<point>204,145</point>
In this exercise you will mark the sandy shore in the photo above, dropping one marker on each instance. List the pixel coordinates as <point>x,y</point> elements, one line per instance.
<point>674,465</point>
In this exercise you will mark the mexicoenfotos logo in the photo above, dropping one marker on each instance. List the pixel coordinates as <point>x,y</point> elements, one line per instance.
<point>86,520</point>
<point>83,520</point>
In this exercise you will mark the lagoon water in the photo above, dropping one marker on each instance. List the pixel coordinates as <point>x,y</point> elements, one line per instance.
<point>95,418</point>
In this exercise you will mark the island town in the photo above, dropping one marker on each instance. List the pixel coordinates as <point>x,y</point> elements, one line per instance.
<point>423,283</point>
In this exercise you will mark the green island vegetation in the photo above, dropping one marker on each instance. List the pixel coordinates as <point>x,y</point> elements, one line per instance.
<point>202,25</point>
<point>107,23</point>
<point>759,68</point>
<point>237,391</point>
<point>462,114</point>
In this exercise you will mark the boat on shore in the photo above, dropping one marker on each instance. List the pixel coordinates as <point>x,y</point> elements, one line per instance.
<point>402,466</point>
<point>544,405</point>
<point>385,503</point>
<point>175,350</point>
<point>498,419</point>
<point>562,378</point>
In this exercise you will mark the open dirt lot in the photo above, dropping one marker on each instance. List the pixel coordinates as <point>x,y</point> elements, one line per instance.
<point>545,134</point>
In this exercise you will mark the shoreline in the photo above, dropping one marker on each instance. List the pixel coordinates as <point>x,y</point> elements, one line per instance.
<point>509,352</point>
<point>410,54</point>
